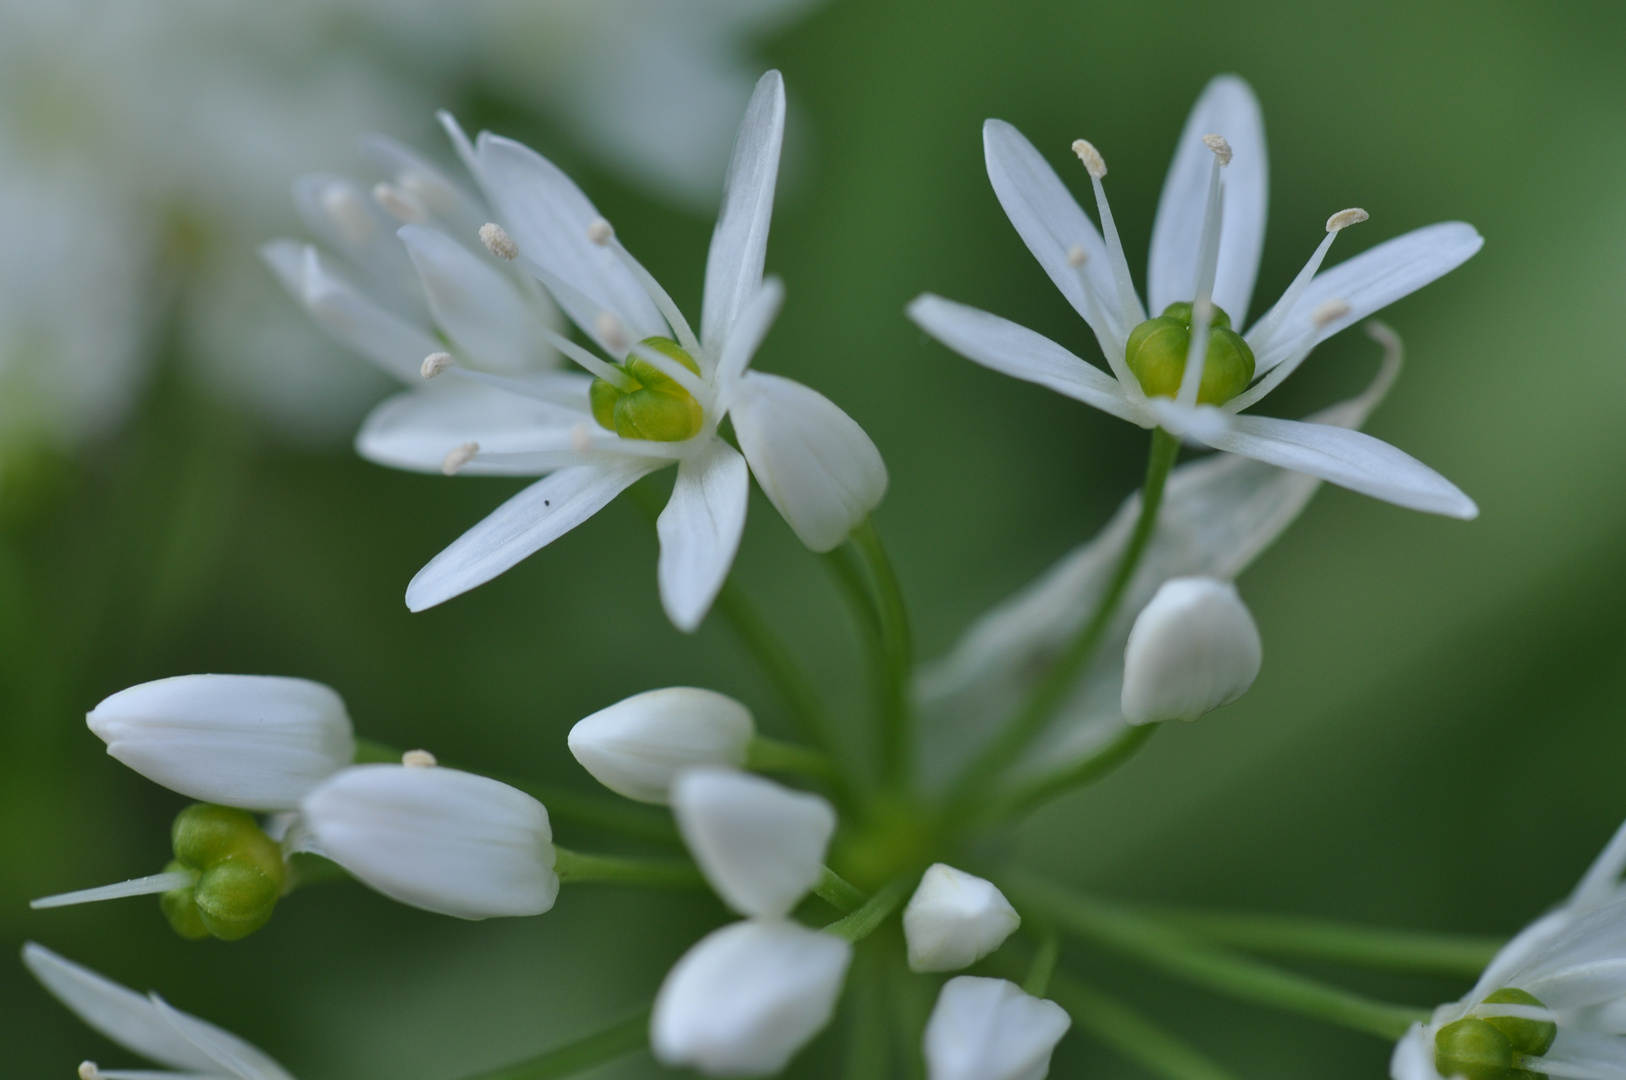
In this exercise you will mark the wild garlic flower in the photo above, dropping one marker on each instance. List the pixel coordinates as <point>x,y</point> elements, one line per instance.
<point>636,747</point>
<point>989,1029</point>
<point>955,919</point>
<point>1188,368</point>
<point>1552,1002</point>
<point>149,1026</point>
<point>1192,649</point>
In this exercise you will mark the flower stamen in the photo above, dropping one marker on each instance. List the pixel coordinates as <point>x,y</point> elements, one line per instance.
<point>1259,338</point>
<point>1130,313</point>
<point>435,363</point>
<point>498,242</point>
<point>1202,306</point>
<point>459,456</point>
<point>398,204</point>
<point>347,214</point>
<point>419,759</point>
<point>601,233</point>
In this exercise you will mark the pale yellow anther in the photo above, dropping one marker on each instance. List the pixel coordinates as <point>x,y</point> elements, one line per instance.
<point>1091,157</point>
<point>1343,219</point>
<point>418,759</point>
<point>599,231</point>
<point>1329,312</point>
<point>459,456</point>
<point>1221,148</point>
<point>348,213</point>
<point>426,189</point>
<point>435,363</point>
<point>498,242</point>
<point>88,1070</point>
<point>581,438</point>
<point>405,208</point>
<point>1077,256</point>
<point>610,332</point>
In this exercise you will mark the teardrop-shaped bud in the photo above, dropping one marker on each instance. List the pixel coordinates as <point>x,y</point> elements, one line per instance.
<point>988,1029</point>
<point>637,746</point>
<point>955,919</point>
<point>1157,350</point>
<point>1193,648</point>
<point>240,873</point>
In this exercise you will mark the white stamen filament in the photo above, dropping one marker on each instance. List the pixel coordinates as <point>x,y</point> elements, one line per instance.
<point>498,242</point>
<point>593,365</point>
<point>405,208</point>
<point>672,370</point>
<point>1324,315</point>
<point>1259,338</point>
<point>1202,305</point>
<point>1110,337</point>
<point>348,214</point>
<point>663,301</point>
<point>1328,313</point>
<point>142,886</point>
<point>435,363</point>
<point>419,759</point>
<point>459,456</point>
<point>1130,312</point>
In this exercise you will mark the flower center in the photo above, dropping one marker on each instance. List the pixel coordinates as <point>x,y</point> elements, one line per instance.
<point>1493,1047</point>
<point>656,408</point>
<point>240,874</point>
<point>1157,348</point>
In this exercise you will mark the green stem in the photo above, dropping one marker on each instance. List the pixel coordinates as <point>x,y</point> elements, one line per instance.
<point>1131,1034</point>
<point>576,868</point>
<point>1188,958</point>
<point>1043,966</point>
<point>897,652</point>
<point>1040,707</point>
<point>869,1049</point>
<point>763,754</point>
<point>849,575</point>
<point>571,1059</point>
<point>867,919</point>
<point>1405,951</point>
<point>1034,793</point>
<point>838,892</point>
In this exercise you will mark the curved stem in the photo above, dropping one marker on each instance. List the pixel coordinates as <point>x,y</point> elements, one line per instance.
<point>763,754</point>
<point>867,919</point>
<point>1131,1034</point>
<point>573,1058</point>
<point>1043,967</point>
<point>897,653</point>
<point>1034,793</point>
<point>575,868</point>
<point>840,894</point>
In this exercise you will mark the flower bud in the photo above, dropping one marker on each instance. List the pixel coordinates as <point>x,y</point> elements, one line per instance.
<point>988,1029</point>
<point>439,839</point>
<point>258,742</point>
<point>745,998</point>
<point>657,408</point>
<point>1157,350</point>
<point>1192,649</point>
<point>240,874</point>
<point>760,845</point>
<point>955,919</point>
<point>635,747</point>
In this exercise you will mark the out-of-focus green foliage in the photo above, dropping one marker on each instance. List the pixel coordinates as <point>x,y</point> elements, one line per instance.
<point>1438,738</point>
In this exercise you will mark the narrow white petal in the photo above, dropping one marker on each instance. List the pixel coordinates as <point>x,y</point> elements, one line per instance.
<point>230,1053</point>
<point>700,531</point>
<point>1603,876</point>
<point>988,1029</point>
<point>1226,107</point>
<point>141,886</point>
<point>745,338</point>
<point>637,746</point>
<point>414,430</point>
<point>1413,1057</point>
<point>342,214</point>
<point>1015,350</point>
<point>445,197</point>
<point>740,242</point>
<point>816,465</point>
<point>480,309</point>
<point>521,526</point>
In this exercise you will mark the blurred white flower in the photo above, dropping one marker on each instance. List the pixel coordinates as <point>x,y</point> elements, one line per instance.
<point>1201,279</point>
<point>637,746</point>
<point>988,1029</point>
<point>1192,649</point>
<point>746,997</point>
<point>955,919</point>
<point>148,1026</point>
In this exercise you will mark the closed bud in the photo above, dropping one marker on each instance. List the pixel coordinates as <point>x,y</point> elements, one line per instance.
<point>240,874</point>
<point>635,747</point>
<point>1157,350</point>
<point>657,408</point>
<point>988,1029</point>
<point>1192,649</point>
<point>760,845</point>
<point>439,839</point>
<point>258,742</point>
<point>955,919</point>
<point>745,998</point>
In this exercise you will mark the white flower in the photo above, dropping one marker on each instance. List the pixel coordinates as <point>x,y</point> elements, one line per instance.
<point>955,919</point>
<point>148,1026</point>
<point>635,747</point>
<point>1568,968</point>
<point>813,461</point>
<point>439,839</point>
<point>258,742</point>
<point>1213,181</point>
<point>988,1029</point>
<point>746,997</point>
<point>760,845</point>
<point>1192,649</point>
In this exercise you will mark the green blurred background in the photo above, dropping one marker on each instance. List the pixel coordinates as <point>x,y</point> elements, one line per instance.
<point>1437,737</point>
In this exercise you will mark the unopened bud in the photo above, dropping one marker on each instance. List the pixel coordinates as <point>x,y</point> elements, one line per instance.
<point>955,919</point>
<point>498,242</point>
<point>1091,157</point>
<point>988,1029</point>
<point>638,746</point>
<point>1192,649</point>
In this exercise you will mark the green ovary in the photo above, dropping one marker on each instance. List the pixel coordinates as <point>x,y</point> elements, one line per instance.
<point>1490,1048</point>
<point>1157,350</point>
<point>656,408</point>
<point>240,874</point>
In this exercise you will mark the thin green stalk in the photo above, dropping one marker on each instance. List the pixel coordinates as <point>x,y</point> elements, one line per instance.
<point>869,1049</point>
<point>572,1059</point>
<point>771,755</point>
<point>838,892</point>
<point>574,868</point>
<point>1043,967</point>
<point>848,570</point>
<point>1131,1034</point>
<point>1406,951</point>
<point>1189,958</point>
<point>867,919</point>
<point>897,652</point>
<point>1040,707</point>
<point>1034,793</point>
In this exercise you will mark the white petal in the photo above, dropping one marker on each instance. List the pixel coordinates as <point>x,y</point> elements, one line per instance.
<point>342,213</point>
<point>258,742</point>
<point>815,464</point>
<point>1347,458</point>
<point>746,337</point>
<point>740,242</point>
<point>228,1051</point>
<point>988,1029</point>
<point>1015,350</point>
<point>700,531</point>
<point>745,998</point>
<point>1192,649</point>
<point>415,430</point>
<point>480,309</point>
<point>1413,1057</point>
<point>548,217</point>
<point>522,526</point>
<point>1227,107</point>
<point>439,839</point>
<point>637,746</point>
<point>443,196</point>
<point>1049,220</point>
<point>760,844</point>
<point>955,919</point>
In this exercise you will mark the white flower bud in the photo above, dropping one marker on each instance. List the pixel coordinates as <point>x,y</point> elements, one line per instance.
<point>955,919</point>
<point>1192,649</point>
<point>988,1029</point>
<point>257,742</point>
<point>745,998</point>
<point>635,747</point>
<point>439,839</point>
<point>760,845</point>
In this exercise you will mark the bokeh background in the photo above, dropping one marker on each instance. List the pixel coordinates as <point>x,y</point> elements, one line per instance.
<point>1437,737</point>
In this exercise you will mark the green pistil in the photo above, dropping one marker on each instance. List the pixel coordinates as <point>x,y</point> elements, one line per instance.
<point>1157,349</point>
<point>656,408</point>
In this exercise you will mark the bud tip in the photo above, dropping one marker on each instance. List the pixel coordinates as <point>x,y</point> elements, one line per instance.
<point>1343,219</point>
<point>1091,157</point>
<point>459,456</point>
<point>498,242</point>
<point>435,363</point>
<point>1221,148</point>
